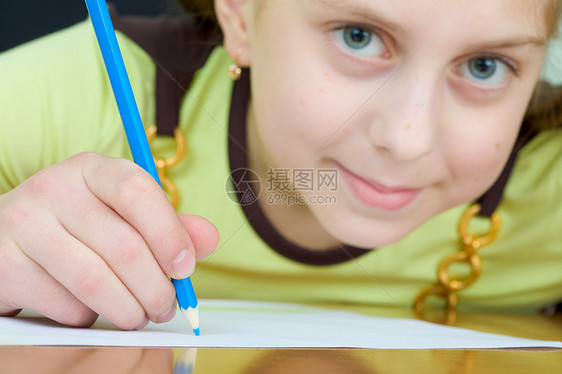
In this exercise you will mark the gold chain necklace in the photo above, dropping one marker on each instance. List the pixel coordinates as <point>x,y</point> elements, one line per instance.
<point>447,286</point>
<point>163,164</point>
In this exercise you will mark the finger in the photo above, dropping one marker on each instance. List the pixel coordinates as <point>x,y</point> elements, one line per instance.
<point>124,251</point>
<point>203,234</point>
<point>136,197</point>
<point>83,273</point>
<point>26,285</point>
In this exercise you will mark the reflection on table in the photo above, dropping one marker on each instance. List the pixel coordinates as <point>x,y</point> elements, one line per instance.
<point>68,360</point>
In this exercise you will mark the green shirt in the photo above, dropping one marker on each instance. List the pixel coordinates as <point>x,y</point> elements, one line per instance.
<point>56,101</point>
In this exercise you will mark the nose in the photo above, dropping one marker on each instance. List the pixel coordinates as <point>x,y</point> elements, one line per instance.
<point>405,122</point>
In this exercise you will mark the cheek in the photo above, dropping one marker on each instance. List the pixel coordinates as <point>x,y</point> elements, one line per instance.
<point>477,158</point>
<point>298,120</point>
<point>480,164</point>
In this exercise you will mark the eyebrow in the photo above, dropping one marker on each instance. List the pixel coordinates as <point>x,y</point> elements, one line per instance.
<point>366,12</point>
<point>513,42</point>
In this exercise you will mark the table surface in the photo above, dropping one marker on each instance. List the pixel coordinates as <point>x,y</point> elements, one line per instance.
<point>28,359</point>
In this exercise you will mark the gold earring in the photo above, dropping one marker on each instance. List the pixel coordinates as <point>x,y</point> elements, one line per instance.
<point>234,72</point>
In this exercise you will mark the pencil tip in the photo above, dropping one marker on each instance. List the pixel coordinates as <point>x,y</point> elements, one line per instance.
<point>192,316</point>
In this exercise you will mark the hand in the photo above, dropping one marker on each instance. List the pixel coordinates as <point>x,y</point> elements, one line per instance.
<point>94,235</point>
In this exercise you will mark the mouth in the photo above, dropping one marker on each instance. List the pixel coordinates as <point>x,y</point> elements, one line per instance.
<point>378,195</point>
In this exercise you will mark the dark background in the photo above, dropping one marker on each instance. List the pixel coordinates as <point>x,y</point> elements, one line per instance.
<point>24,20</point>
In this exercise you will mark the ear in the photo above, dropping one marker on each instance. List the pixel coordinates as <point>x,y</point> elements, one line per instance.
<point>233,19</point>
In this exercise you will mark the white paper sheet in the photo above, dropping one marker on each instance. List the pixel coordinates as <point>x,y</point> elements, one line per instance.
<point>242,324</point>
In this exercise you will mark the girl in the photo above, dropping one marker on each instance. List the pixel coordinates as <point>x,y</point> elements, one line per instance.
<point>351,125</point>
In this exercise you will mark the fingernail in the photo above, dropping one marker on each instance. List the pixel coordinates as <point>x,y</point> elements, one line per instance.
<point>168,315</point>
<point>143,323</point>
<point>183,265</point>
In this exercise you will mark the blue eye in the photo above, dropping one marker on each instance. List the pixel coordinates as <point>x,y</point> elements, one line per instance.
<point>488,71</point>
<point>360,40</point>
<point>357,38</point>
<point>482,68</point>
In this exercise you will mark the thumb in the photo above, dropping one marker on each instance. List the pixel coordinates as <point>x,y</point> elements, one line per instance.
<point>203,234</point>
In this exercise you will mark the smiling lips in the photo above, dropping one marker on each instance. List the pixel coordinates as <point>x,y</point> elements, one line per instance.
<point>377,195</point>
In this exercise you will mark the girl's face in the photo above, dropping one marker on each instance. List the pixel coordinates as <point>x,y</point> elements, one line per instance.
<point>416,104</point>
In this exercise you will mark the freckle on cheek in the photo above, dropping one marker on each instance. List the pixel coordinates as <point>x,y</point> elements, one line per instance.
<point>408,126</point>
<point>497,145</point>
<point>328,76</point>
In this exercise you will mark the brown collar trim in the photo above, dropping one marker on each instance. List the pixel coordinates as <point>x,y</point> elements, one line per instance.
<point>179,46</point>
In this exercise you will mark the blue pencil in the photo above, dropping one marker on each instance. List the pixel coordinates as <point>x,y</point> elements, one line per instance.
<point>134,129</point>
